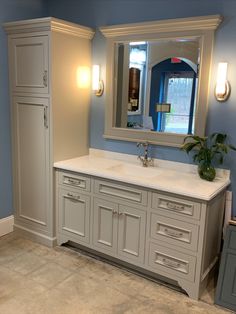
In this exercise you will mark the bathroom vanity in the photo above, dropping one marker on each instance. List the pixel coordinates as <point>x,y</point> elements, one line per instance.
<point>162,219</point>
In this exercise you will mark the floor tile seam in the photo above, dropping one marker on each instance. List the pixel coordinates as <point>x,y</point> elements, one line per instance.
<point>23,276</point>
<point>30,272</point>
<point>55,285</point>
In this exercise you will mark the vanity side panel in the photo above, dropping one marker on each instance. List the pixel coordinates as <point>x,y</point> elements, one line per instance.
<point>213,234</point>
<point>70,104</point>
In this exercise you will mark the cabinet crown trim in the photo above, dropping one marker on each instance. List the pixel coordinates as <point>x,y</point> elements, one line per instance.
<point>48,24</point>
<point>209,22</point>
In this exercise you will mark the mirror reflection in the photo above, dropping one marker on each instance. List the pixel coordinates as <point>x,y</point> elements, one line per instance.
<point>156,85</point>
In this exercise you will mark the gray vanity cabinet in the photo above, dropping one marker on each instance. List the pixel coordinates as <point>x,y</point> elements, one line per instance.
<point>173,236</point>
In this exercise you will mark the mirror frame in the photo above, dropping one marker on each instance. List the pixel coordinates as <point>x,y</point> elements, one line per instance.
<point>203,28</point>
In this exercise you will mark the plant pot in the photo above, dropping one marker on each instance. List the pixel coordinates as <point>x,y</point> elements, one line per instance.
<point>206,172</point>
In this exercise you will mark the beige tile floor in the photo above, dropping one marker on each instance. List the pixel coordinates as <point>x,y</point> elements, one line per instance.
<point>38,280</point>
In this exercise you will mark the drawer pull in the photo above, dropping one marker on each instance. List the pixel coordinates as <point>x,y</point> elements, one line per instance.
<point>175,206</point>
<point>114,212</point>
<point>72,197</point>
<point>173,233</point>
<point>73,181</point>
<point>170,263</point>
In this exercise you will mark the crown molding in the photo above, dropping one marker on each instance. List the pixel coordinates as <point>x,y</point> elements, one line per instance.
<point>48,24</point>
<point>209,22</point>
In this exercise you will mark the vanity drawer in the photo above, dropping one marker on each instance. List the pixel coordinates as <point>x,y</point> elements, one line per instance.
<point>176,205</point>
<point>77,181</point>
<point>174,263</point>
<point>174,232</point>
<point>122,191</point>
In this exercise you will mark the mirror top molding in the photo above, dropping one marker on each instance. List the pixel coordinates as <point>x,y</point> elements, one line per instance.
<point>200,29</point>
<point>209,22</point>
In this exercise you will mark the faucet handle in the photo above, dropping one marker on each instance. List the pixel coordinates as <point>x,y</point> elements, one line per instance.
<point>144,144</point>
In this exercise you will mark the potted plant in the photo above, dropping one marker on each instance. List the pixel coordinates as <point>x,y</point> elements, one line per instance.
<point>208,151</point>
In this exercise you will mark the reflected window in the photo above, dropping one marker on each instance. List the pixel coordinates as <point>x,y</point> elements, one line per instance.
<point>178,92</point>
<point>174,81</point>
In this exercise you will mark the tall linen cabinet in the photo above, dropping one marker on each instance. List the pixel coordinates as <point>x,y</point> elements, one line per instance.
<point>49,113</point>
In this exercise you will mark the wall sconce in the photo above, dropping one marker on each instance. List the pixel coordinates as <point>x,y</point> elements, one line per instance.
<point>97,84</point>
<point>222,89</point>
<point>163,107</point>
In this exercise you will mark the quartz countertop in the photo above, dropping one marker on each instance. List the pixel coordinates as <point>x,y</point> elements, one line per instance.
<point>163,176</point>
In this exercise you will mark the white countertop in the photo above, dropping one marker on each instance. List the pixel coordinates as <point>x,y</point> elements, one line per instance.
<point>165,176</point>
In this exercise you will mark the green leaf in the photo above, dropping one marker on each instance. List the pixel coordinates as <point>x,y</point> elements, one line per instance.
<point>232,147</point>
<point>188,147</point>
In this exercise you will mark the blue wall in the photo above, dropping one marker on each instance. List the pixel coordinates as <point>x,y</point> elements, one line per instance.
<point>95,13</point>
<point>10,10</point>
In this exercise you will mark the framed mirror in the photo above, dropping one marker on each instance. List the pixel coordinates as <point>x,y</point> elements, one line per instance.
<point>158,79</point>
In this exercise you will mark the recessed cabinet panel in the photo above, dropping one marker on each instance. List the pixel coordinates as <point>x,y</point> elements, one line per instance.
<point>131,241</point>
<point>121,191</point>
<point>175,263</point>
<point>174,231</point>
<point>74,214</point>
<point>174,205</point>
<point>228,290</point>
<point>31,155</point>
<point>105,216</point>
<point>30,64</point>
<point>79,182</point>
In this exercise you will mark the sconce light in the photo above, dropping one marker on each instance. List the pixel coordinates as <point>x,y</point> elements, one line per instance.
<point>163,107</point>
<point>222,89</point>
<point>97,84</point>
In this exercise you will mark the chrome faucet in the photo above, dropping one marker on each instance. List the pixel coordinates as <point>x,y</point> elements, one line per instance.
<point>146,161</point>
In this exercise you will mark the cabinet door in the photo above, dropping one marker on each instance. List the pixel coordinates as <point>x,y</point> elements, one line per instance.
<point>131,234</point>
<point>31,160</point>
<point>105,215</point>
<point>29,64</point>
<point>74,215</point>
<point>226,287</point>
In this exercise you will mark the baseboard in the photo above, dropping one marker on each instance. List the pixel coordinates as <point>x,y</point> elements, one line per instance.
<point>36,236</point>
<point>6,225</point>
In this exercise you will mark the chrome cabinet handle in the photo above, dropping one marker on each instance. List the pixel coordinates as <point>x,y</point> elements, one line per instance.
<point>74,181</point>
<point>45,78</point>
<point>45,117</point>
<point>172,233</point>
<point>72,196</point>
<point>175,206</point>
<point>171,263</point>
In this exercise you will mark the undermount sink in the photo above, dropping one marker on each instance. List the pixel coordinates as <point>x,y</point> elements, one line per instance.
<point>135,171</point>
